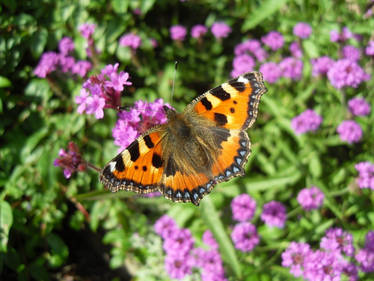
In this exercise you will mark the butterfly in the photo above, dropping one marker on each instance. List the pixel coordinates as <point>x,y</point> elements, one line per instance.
<point>187,156</point>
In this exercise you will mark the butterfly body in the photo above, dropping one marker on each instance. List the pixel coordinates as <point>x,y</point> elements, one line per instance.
<point>196,149</point>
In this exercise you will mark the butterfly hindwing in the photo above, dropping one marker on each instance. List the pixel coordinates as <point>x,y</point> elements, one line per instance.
<point>234,149</point>
<point>234,104</point>
<point>138,168</point>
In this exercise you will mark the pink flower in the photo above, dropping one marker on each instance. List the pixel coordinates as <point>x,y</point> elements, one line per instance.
<point>349,131</point>
<point>220,29</point>
<point>198,30</point>
<point>87,30</point>
<point>302,30</point>
<point>274,40</point>
<point>178,32</point>
<point>130,40</point>
<point>95,105</point>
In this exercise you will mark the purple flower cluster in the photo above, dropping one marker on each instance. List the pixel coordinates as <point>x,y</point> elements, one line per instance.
<point>137,120</point>
<point>351,53</point>
<point>342,36</point>
<point>182,257</point>
<point>327,263</point>
<point>198,31</point>
<point>130,40</point>
<point>52,61</point>
<point>338,240</point>
<point>244,53</point>
<point>310,198</point>
<point>87,30</point>
<point>274,214</point>
<point>71,161</point>
<point>242,64</point>
<point>365,256</point>
<point>102,91</point>
<point>178,32</point>
<point>177,244</point>
<point>307,121</point>
<point>349,131</point>
<point>321,65</point>
<point>65,46</point>
<point>335,258</point>
<point>365,175</point>
<point>253,47</point>
<point>346,72</point>
<point>220,29</point>
<point>302,30</point>
<point>274,40</point>
<point>243,208</point>
<point>359,107</point>
<point>295,49</point>
<point>245,237</point>
<point>271,72</point>
<point>369,50</point>
<point>209,240</point>
<point>291,68</point>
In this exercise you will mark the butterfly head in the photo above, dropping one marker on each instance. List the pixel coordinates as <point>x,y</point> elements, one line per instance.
<point>170,112</point>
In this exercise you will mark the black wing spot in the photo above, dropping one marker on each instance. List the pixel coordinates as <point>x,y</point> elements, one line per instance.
<point>239,86</point>
<point>134,150</point>
<point>156,160</point>
<point>207,104</point>
<point>148,141</point>
<point>232,110</point>
<point>220,93</point>
<point>220,119</point>
<point>144,168</point>
<point>120,166</point>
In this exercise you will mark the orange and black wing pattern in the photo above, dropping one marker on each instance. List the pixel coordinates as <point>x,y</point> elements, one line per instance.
<point>138,168</point>
<point>234,104</point>
<point>220,118</point>
<point>233,107</point>
<point>234,151</point>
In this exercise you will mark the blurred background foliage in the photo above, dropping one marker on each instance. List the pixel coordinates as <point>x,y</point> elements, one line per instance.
<point>53,228</point>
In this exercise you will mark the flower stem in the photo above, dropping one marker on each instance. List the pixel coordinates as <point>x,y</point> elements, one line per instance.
<point>93,167</point>
<point>56,89</point>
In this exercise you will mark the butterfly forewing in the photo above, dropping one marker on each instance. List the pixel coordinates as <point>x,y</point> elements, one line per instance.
<point>234,104</point>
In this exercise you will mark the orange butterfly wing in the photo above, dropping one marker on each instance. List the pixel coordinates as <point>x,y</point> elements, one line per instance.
<point>233,106</point>
<point>138,168</point>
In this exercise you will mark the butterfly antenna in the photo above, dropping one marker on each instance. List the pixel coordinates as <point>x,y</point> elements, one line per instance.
<point>173,85</point>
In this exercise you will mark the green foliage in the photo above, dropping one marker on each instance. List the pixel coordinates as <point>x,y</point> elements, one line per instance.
<point>38,206</point>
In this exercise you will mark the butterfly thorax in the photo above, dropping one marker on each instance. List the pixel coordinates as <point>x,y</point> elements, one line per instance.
<point>189,143</point>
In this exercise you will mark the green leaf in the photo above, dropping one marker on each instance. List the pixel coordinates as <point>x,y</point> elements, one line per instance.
<point>6,221</point>
<point>146,5</point>
<point>32,142</point>
<point>59,251</point>
<point>120,6</point>
<point>260,184</point>
<point>315,166</point>
<point>264,11</point>
<point>4,82</point>
<point>182,213</point>
<point>310,48</point>
<point>212,219</point>
<point>38,42</point>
